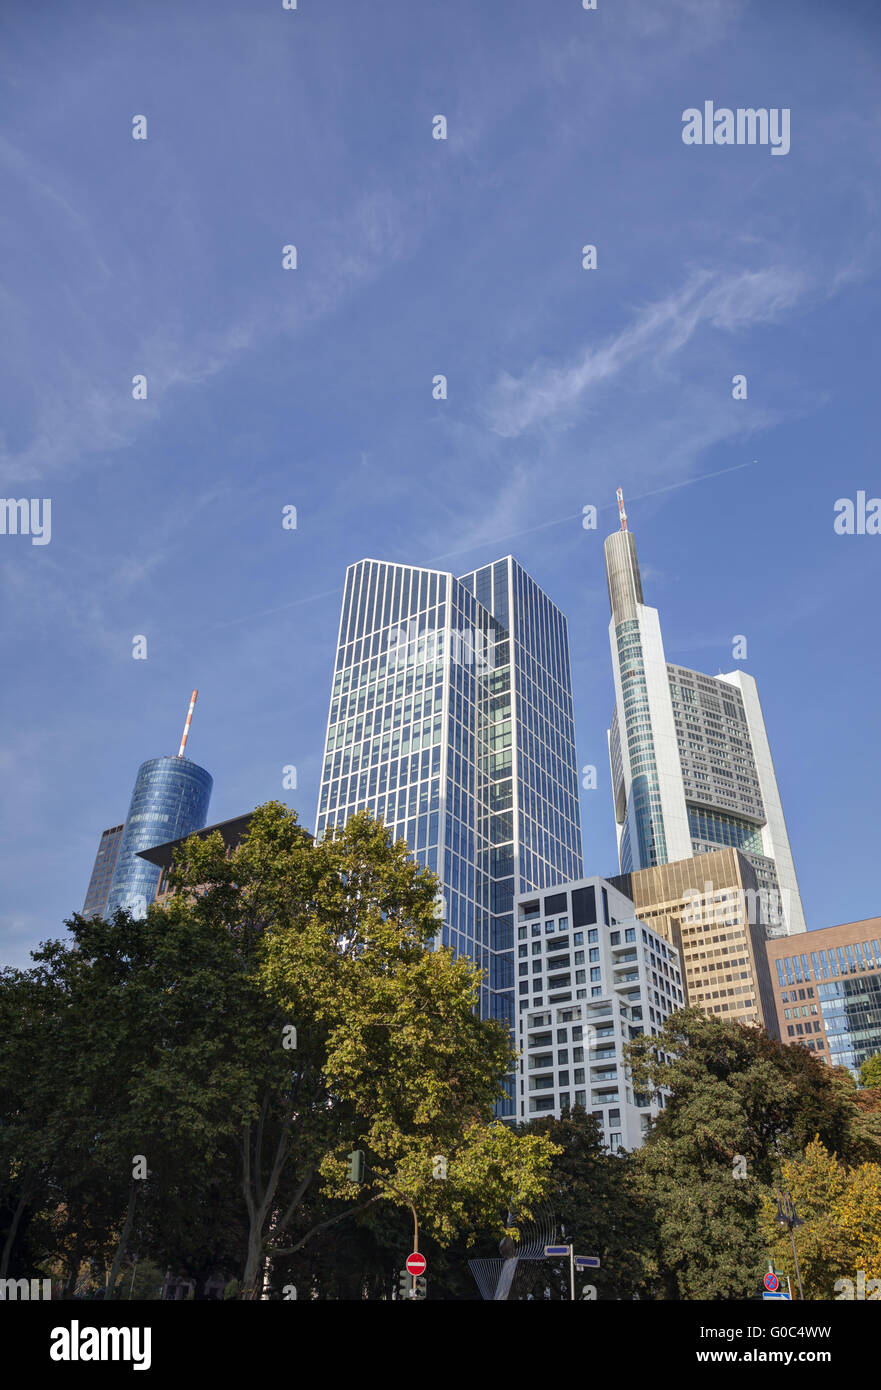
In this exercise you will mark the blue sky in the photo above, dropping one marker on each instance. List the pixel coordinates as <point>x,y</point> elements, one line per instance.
<point>312,387</point>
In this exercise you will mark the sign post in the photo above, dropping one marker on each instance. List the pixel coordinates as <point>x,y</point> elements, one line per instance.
<point>575,1261</point>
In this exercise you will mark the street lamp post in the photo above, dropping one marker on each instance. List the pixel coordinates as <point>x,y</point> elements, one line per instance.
<point>786,1217</point>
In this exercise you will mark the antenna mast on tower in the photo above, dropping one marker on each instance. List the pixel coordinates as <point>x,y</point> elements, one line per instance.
<point>183,742</point>
<point>621,511</point>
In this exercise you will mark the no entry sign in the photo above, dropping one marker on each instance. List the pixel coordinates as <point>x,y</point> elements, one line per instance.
<point>772,1283</point>
<point>415,1265</point>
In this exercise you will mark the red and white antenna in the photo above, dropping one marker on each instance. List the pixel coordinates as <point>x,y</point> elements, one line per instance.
<point>183,742</point>
<point>621,512</point>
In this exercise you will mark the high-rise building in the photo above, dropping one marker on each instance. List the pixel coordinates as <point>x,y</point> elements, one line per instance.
<point>827,989</point>
<point>713,910</point>
<point>169,801</point>
<point>591,977</point>
<point>102,872</point>
<point>691,764</point>
<point>451,720</point>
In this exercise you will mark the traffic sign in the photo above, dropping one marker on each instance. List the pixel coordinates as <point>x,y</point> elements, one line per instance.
<point>552,1250</point>
<point>778,1294</point>
<point>586,1262</point>
<point>772,1283</point>
<point>416,1264</point>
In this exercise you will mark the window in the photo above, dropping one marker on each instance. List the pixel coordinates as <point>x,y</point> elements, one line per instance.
<point>592,935</point>
<point>596,973</point>
<point>630,934</point>
<point>615,938</point>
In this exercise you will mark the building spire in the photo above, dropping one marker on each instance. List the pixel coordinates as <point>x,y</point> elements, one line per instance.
<point>183,742</point>
<point>621,512</point>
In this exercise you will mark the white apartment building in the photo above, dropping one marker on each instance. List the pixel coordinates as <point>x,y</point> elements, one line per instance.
<point>591,977</point>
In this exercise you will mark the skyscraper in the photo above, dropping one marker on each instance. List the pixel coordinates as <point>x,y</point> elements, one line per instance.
<point>169,801</point>
<point>451,719</point>
<point>691,763</point>
<point>102,872</point>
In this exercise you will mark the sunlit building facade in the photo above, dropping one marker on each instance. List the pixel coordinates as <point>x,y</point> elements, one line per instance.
<point>827,987</point>
<point>451,720</point>
<point>590,977</point>
<point>690,760</point>
<point>169,801</point>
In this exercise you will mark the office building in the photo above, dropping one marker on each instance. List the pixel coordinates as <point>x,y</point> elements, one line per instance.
<point>102,872</point>
<point>690,759</point>
<point>232,832</point>
<point>713,910</point>
<point>451,720</point>
<point>591,977</point>
<point>827,991</point>
<point>170,800</point>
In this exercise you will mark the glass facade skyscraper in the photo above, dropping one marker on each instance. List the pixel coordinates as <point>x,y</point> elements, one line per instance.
<point>102,872</point>
<point>691,765</point>
<point>451,720</point>
<point>169,801</point>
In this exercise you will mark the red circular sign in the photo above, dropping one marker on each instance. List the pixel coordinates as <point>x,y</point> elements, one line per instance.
<point>415,1265</point>
<point>772,1283</point>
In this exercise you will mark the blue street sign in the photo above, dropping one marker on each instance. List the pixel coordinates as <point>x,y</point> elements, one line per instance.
<point>556,1250</point>
<point>778,1294</point>
<point>586,1262</point>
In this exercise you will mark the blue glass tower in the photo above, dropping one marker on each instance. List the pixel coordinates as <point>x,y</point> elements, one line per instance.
<point>169,802</point>
<point>451,719</point>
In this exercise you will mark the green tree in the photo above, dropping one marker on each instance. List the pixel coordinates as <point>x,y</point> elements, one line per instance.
<point>870,1071</point>
<point>739,1103</point>
<point>282,1009</point>
<point>594,1195</point>
<point>840,1208</point>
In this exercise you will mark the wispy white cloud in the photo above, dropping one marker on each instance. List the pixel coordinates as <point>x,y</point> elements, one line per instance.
<point>549,394</point>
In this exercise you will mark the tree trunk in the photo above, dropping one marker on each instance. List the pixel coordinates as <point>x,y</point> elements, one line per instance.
<point>13,1228</point>
<point>253,1275</point>
<point>123,1242</point>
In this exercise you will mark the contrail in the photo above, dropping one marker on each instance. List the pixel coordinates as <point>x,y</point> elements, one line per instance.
<point>498,540</point>
<point>562,520</point>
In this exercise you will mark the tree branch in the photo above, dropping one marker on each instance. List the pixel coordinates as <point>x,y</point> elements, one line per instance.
<point>325,1224</point>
